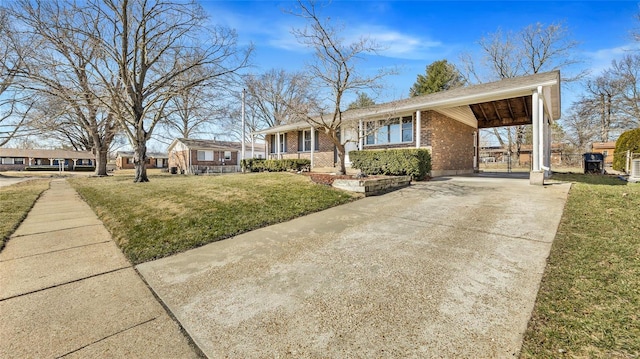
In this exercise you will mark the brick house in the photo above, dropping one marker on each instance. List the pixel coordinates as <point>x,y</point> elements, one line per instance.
<point>191,156</point>
<point>446,123</point>
<point>124,160</point>
<point>15,159</point>
<point>607,149</point>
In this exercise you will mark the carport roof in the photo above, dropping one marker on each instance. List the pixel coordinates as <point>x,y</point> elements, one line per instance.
<point>502,103</point>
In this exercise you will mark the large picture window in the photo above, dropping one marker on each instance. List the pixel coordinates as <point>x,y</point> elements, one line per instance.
<point>397,130</point>
<point>205,155</point>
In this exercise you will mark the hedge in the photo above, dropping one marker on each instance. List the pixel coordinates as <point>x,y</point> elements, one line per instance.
<point>262,165</point>
<point>395,162</point>
<point>628,141</point>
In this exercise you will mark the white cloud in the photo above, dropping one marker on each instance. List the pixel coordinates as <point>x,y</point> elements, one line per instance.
<point>399,45</point>
<point>601,59</point>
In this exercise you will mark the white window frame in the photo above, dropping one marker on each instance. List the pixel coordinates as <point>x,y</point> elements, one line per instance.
<point>227,155</point>
<point>206,155</point>
<point>385,133</point>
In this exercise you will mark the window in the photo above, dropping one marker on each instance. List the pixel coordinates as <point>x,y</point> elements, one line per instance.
<point>397,130</point>
<point>283,143</point>
<point>7,161</point>
<point>304,141</point>
<point>205,155</point>
<point>227,155</point>
<point>18,161</point>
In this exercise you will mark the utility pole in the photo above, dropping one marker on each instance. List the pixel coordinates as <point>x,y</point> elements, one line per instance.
<point>242,137</point>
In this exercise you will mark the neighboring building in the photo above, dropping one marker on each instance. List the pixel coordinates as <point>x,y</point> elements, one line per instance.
<point>14,159</point>
<point>607,149</point>
<point>446,122</point>
<point>124,160</point>
<point>188,155</point>
<point>557,154</point>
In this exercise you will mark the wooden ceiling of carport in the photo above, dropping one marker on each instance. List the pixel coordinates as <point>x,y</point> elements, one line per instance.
<point>508,112</point>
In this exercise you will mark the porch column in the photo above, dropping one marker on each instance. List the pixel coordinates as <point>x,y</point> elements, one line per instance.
<point>277,145</point>
<point>360,135</point>
<point>253,143</point>
<point>536,176</point>
<point>74,164</point>
<point>418,128</point>
<point>313,144</point>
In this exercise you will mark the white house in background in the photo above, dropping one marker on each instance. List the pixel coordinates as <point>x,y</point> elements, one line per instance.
<point>188,155</point>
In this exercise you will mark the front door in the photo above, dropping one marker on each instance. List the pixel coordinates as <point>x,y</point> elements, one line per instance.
<point>159,162</point>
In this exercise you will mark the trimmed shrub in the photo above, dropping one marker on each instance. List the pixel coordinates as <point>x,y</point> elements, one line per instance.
<point>628,141</point>
<point>415,162</point>
<point>262,165</point>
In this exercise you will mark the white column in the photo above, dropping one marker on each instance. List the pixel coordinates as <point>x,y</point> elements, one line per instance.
<point>541,128</point>
<point>418,128</point>
<point>313,144</point>
<point>535,160</point>
<point>253,145</point>
<point>277,145</point>
<point>360,135</point>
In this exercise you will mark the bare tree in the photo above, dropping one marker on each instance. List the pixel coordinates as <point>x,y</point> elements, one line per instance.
<point>581,125</point>
<point>192,111</point>
<point>333,73</point>
<point>275,95</point>
<point>61,71</point>
<point>14,106</point>
<point>536,48</point>
<point>626,72</point>
<point>150,45</point>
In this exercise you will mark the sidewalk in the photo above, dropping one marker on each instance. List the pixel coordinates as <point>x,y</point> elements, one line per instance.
<point>66,290</point>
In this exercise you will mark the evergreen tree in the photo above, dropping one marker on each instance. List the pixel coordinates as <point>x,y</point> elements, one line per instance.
<point>439,76</point>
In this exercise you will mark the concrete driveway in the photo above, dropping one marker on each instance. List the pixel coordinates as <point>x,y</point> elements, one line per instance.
<point>447,268</point>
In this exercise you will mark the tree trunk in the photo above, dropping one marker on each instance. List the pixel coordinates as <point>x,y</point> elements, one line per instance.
<point>343,168</point>
<point>139,161</point>
<point>101,162</point>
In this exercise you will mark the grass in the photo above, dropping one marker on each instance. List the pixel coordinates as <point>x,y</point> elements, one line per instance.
<point>171,214</point>
<point>16,201</point>
<point>588,305</point>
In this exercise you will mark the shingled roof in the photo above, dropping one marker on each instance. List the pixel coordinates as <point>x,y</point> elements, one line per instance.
<point>55,154</point>
<point>502,97</point>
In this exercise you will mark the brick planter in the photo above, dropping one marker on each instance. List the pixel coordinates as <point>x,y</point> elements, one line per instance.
<point>372,186</point>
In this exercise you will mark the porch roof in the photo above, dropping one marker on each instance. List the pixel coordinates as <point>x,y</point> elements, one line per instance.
<point>502,103</point>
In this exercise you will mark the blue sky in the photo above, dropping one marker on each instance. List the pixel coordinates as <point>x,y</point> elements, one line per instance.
<point>416,33</point>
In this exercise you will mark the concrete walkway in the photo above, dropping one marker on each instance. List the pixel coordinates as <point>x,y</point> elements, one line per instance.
<point>66,290</point>
<point>443,269</point>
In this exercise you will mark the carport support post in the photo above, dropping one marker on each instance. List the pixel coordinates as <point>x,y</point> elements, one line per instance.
<point>536,177</point>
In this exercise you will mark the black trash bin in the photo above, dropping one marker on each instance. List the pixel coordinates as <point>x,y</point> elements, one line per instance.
<point>593,163</point>
<point>174,170</point>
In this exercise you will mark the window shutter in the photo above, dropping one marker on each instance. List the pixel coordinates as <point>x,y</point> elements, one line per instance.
<point>316,140</point>
<point>300,140</point>
<point>272,145</point>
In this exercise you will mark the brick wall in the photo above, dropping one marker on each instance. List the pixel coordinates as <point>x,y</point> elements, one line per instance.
<point>218,157</point>
<point>322,157</point>
<point>451,144</point>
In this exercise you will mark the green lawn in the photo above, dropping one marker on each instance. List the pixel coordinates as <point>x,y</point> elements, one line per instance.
<point>15,202</point>
<point>171,214</point>
<point>588,305</point>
